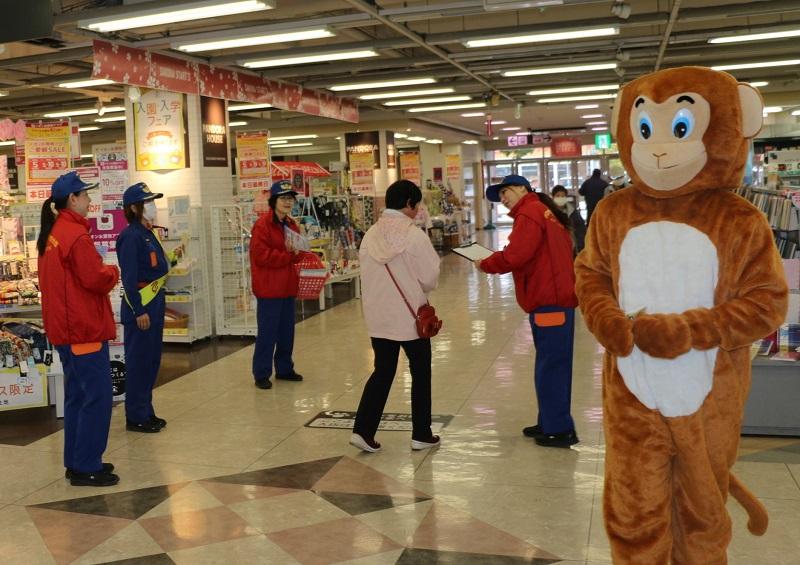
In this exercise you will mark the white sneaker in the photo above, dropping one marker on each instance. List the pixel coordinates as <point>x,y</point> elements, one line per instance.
<point>420,445</point>
<point>359,442</point>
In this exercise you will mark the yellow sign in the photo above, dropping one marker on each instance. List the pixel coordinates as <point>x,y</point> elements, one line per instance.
<point>47,151</point>
<point>253,161</point>
<point>159,131</point>
<point>410,167</point>
<point>453,167</point>
<point>362,168</point>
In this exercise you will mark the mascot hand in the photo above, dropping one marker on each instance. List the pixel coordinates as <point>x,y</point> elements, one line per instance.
<point>665,336</point>
<point>615,333</point>
<point>702,324</point>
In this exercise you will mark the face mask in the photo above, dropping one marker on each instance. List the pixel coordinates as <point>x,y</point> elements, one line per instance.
<point>150,211</point>
<point>561,200</point>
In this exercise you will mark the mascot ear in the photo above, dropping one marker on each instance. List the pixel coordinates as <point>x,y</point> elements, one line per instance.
<point>752,110</point>
<point>615,114</point>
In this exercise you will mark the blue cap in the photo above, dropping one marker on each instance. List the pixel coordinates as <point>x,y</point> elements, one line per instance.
<point>68,183</point>
<point>493,192</point>
<point>281,188</point>
<point>139,192</point>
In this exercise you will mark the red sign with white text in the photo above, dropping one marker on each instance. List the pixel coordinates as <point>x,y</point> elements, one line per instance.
<point>565,147</point>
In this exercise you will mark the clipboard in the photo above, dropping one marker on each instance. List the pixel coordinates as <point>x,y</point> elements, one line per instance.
<point>473,251</point>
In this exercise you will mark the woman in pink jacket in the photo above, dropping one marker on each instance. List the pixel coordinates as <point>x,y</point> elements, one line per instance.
<point>395,245</point>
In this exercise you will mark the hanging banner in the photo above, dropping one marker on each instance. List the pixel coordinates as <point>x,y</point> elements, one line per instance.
<point>112,160</point>
<point>158,131</point>
<point>363,142</point>
<point>453,163</point>
<point>19,154</point>
<point>139,67</point>
<point>253,161</point>
<point>362,168</point>
<point>215,136</point>
<point>75,141</point>
<point>4,181</point>
<point>23,387</point>
<point>47,153</point>
<point>410,167</point>
<point>391,151</point>
<point>565,147</point>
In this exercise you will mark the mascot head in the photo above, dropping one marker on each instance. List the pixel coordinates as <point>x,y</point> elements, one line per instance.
<point>685,129</point>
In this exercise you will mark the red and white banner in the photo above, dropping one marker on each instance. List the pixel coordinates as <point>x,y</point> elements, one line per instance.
<point>47,153</point>
<point>138,67</point>
<point>283,169</point>
<point>565,147</point>
<point>253,160</point>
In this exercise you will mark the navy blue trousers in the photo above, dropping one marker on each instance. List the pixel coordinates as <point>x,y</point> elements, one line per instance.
<point>275,338</point>
<point>142,361</point>
<point>87,407</point>
<point>553,371</point>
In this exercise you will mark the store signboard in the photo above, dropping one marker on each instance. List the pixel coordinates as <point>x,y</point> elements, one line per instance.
<point>453,163</point>
<point>112,160</point>
<point>356,143</point>
<point>565,147</point>
<point>362,169</point>
<point>253,160</point>
<point>410,167</point>
<point>159,131</point>
<point>23,387</point>
<point>215,132</point>
<point>139,67</point>
<point>47,152</point>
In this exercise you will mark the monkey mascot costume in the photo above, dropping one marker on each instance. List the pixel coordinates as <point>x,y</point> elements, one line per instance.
<point>678,278</point>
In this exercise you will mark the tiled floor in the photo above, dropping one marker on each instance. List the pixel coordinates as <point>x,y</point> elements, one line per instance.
<point>237,478</point>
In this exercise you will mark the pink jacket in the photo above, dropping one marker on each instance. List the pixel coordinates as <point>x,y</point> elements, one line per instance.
<point>395,241</point>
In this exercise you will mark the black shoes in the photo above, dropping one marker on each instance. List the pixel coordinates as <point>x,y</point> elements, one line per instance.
<point>532,431</point>
<point>156,421</point>
<point>149,427</point>
<point>107,468</point>
<point>99,479</point>
<point>290,377</point>
<point>565,439</point>
<point>264,384</point>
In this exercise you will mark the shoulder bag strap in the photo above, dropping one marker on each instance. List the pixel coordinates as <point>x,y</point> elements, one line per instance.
<point>410,309</point>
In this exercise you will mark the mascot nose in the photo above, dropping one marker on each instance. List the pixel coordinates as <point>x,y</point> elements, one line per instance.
<point>658,155</point>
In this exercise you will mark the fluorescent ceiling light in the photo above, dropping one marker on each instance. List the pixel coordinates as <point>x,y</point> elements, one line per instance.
<point>502,41</point>
<point>3,93</point>
<point>761,65</point>
<point>756,36</point>
<point>111,119</point>
<point>575,98</point>
<point>252,40</point>
<point>470,142</point>
<point>12,142</point>
<point>416,138</point>
<point>85,83</point>
<point>278,142</point>
<point>447,107</point>
<point>573,89</point>
<point>235,124</point>
<point>168,15</point>
<point>591,116</point>
<point>596,123</point>
<point>498,122</point>
<point>412,101</point>
<point>600,129</point>
<point>772,109</point>
<point>382,84</point>
<point>559,70</point>
<point>294,145</point>
<point>511,129</point>
<point>87,156</point>
<point>304,59</point>
<point>473,114</point>
<point>239,107</point>
<point>587,106</point>
<point>758,83</point>
<point>400,136</point>
<point>83,112</point>
<point>796,113</point>
<point>406,93</point>
<point>285,137</point>
<point>89,128</point>
<point>434,141</point>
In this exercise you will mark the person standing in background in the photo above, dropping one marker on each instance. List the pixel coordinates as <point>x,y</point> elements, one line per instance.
<point>76,311</point>
<point>564,204</point>
<point>593,190</point>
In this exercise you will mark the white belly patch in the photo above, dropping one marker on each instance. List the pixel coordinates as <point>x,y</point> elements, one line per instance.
<point>668,268</point>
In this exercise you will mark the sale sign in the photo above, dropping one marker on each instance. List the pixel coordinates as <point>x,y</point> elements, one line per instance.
<point>362,168</point>
<point>47,155</point>
<point>253,161</point>
<point>112,160</point>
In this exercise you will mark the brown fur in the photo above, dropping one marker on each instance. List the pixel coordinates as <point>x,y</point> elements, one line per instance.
<point>667,479</point>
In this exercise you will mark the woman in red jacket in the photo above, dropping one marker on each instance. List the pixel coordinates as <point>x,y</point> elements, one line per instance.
<point>78,320</point>
<point>275,284</point>
<point>539,255</point>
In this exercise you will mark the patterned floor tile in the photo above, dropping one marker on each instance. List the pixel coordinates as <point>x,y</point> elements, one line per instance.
<point>130,504</point>
<point>191,497</point>
<point>160,559</point>
<point>246,551</point>
<point>355,504</point>
<point>433,557</point>
<point>332,542</point>
<point>200,527</point>
<point>297,476</point>
<point>348,475</point>
<point>230,493</point>
<point>300,509</point>
<point>131,542</point>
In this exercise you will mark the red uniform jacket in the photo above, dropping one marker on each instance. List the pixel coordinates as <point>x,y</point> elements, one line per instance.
<point>539,254</point>
<point>272,268</point>
<point>75,285</point>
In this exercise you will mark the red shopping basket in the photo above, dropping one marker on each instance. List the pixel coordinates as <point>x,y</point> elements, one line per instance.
<point>312,274</point>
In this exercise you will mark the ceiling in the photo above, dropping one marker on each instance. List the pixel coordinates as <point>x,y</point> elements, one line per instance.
<point>426,39</point>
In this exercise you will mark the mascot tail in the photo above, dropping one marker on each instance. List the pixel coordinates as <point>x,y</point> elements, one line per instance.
<point>757,513</point>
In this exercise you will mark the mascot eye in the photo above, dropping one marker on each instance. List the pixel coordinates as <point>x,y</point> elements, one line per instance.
<point>645,126</point>
<point>683,123</point>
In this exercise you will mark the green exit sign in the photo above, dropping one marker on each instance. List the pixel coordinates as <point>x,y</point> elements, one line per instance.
<point>602,141</point>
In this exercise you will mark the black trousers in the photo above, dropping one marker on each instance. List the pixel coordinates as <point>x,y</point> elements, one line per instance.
<point>376,391</point>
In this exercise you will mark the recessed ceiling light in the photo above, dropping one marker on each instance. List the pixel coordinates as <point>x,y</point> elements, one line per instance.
<point>416,138</point>
<point>381,84</point>
<point>253,40</point>
<point>447,107</point>
<point>796,113</point>
<point>758,83</point>
<point>412,101</point>
<point>596,123</point>
<point>756,36</point>
<point>400,136</point>
<point>473,114</point>
<point>470,142</point>
<point>305,59</point>
<point>760,65</point>
<point>83,112</point>
<point>239,107</point>
<point>600,129</point>
<point>559,99</point>
<point>89,128</point>
<point>511,128</point>
<point>498,122</point>
<point>501,41</point>
<point>591,116</point>
<point>4,143</point>
<point>304,136</point>
<point>560,69</point>
<point>434,141</point>
<point>294,145</point>
<point>587,106</point>
<point>573,89</point>
<point>85,83</point>
<point>111,119</point>
<point>406,93</point>
<point>87,156</point>
<point>773,109</point>
<point>172,14</point>
<point>236,124</point>
<point>495,138</point>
